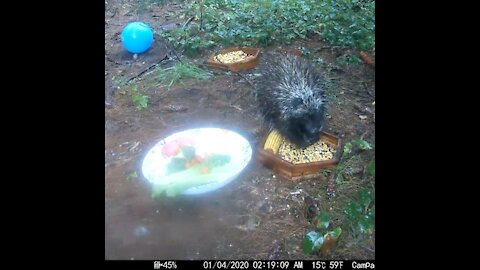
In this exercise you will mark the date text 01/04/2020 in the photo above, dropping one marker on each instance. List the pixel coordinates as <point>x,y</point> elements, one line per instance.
<point>246,265</point>
<point>274,265</point>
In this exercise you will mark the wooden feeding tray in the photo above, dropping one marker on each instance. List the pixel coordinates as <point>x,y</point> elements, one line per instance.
<point>248,63</point>
<point>269,156</point>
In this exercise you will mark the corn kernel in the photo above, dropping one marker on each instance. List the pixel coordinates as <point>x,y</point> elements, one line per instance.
<point>319,151</point>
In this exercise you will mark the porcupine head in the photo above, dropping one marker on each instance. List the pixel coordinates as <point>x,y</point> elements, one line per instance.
<point>292,101</point>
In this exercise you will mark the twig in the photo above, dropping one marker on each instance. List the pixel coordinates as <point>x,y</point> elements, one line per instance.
<point>246,79</point>
<point>246,92</point>
<point>187,22</point>
<point>114,13</point>
<point>147,69</point>
<point>171,49</point>
<point>367,248</point>
<point>323,48</point>
<point>226,104</point>
<point>201,15</point>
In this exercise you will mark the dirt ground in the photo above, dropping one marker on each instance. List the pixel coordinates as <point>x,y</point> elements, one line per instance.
<point>257,216</point>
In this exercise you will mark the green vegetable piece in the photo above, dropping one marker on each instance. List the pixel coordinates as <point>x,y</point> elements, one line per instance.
<point>176,164</point>
<point>312,242</point>
<point>334,234</point>
<point>188,152</point>
<point>217,160</point>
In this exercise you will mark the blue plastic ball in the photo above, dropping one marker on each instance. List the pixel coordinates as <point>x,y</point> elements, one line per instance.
<point>137,37</point>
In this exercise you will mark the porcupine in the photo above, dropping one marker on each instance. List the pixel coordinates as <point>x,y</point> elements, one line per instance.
<point>291,99</point>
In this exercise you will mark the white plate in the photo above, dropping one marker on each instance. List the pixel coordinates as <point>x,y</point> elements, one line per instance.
<point>206,141</point>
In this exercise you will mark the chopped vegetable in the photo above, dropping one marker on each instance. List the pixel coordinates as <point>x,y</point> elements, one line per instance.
<point>216,160</point>
<point>171,149</point>
<point>176,164</point>
<point>188,152</point>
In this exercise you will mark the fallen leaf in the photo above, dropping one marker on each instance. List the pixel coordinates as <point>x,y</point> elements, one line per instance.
<point>366,58</point>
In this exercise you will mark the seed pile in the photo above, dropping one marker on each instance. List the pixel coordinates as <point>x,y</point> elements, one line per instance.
<point>316,152</point>
<point>232,57</point>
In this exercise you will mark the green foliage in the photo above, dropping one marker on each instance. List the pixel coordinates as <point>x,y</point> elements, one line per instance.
<point>371,168</point>
<point>170,76</point>
<point>315,241</point>
<point>143,5</point>
<point>348,59</point>
<point>344,23</point>
<point>362,144</point>
<point>189,40</point>
<point>131,176</point>
<point>361,213</point>
<point>322,221</point>
<point>349,23</point>
<point>312,242</point>
<point>350,151</point>
<point>347,148</point>
<point>141,101</point>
